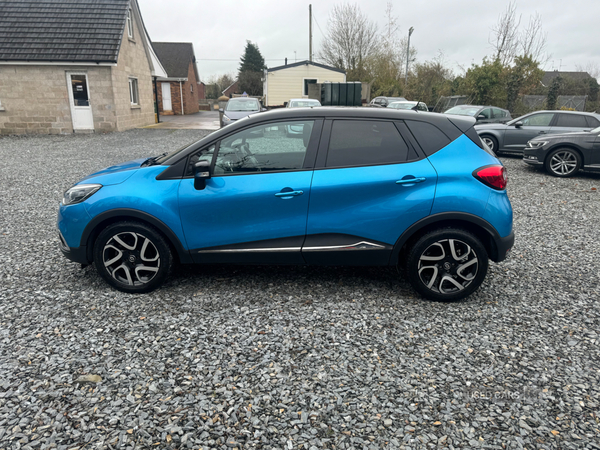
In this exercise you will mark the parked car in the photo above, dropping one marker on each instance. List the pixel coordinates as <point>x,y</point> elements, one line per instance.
<point>419,106</point>
<point>383,102</point>
<point>238,108</point>
<point>360,188</point>
<point>514,135</point>
<point>562,155</point>
<point>483,114</point>
<point>303,103</point>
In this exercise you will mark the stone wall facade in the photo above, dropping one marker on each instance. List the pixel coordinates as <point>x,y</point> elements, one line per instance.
<point>35,98</point>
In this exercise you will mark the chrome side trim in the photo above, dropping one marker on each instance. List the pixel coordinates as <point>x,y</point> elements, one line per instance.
<point>252,250</point>
<point>363,245</point>
<point>593,166</point>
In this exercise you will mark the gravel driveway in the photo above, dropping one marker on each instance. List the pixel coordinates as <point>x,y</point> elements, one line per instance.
<point>293,357</point>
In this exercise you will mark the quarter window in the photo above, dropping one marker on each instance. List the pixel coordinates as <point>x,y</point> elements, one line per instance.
<point>365,142</point>
<point>133,91</point>
<point>430,138</point>
<point>592,122</point>
<point>266,148</point>
<point>571,121</point>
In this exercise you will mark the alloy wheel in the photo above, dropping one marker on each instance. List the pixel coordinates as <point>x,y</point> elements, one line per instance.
<point>131,258</point>
<point>563,162</point>
<point>448,266</point>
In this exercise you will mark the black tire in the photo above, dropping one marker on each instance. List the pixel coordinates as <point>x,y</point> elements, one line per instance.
<point>446,264</point>
<point>563,162</point>
<point>491,142</point>
<point>132,257</point>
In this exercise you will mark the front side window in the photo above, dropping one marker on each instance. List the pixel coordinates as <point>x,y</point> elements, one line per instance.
<point>133,91</point>
<point>365,142</point>
<point>538,120</point>
<point>499,113</point>
<point>129,24</point>
<point>571,121</point>
<point>487,113</point>
<point>270,147</point>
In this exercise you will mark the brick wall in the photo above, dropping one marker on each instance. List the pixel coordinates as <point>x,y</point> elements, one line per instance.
<point>190,99</point>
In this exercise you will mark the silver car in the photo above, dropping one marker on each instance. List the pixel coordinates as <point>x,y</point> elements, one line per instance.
<point>513,136</point>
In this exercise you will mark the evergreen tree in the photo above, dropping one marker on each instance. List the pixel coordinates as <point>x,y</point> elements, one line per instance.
<point>252,65</point>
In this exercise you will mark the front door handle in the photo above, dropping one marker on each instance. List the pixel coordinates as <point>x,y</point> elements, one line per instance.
<point>542,132</point>
<point>289,194</point>
<point>411,180</point>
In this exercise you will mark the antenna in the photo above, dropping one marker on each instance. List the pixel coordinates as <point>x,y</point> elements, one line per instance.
<point>310,33</point>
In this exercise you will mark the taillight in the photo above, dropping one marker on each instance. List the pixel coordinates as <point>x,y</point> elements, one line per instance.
<point>493,176</point>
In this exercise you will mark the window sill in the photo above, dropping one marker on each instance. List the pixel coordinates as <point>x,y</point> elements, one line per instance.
<point>136,107</point>
<point>2,108</point>
<point>132,40</point>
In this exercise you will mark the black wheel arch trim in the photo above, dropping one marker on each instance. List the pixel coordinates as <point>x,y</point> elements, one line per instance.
<point>497,246</point>
<point>91,230</point>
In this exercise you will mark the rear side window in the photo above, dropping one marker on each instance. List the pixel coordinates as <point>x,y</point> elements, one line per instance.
<point>430,138</point>
<point>365,142</point>
<point>571,121</point>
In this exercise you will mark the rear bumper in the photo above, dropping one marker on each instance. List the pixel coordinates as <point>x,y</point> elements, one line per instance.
<point>504,246</point>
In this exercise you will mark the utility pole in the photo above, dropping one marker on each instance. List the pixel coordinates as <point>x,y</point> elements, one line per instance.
<point>310,33</point>
<point>410,31</point>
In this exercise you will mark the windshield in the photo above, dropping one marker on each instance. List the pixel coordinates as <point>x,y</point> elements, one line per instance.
<point>401,105</point>
<point>463,110</point>
<point>242,104</point>
<point>304,103</point>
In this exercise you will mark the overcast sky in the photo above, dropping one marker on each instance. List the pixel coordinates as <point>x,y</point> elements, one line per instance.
<point>460,29</point>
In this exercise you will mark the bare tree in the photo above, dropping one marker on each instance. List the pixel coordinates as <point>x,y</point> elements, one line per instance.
<point>533,40</point>
<point>508,40</point>
<point>505,38</point>
<point>351,38</point>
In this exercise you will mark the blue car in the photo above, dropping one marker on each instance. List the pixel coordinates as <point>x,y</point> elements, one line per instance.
<point>358,186</point>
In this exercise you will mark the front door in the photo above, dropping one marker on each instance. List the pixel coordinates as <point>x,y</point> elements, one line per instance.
<point>166,97</point>
<point>79,96</point>
<point>254,207</point>
<point>532,126</point>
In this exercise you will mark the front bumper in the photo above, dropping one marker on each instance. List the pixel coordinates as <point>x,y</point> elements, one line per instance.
<point>75,254</point>
<point>532,159</point>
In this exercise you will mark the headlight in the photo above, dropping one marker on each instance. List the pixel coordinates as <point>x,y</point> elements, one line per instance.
<point>536,144</point>
<point>226,119</point>
<point>79,193</point>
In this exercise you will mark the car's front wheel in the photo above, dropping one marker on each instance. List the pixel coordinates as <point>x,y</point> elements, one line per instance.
<point>446,264</point>
<point>563,162</point>
<point>132,256</point>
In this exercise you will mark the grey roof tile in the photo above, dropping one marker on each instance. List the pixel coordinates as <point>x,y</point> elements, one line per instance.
<point>61,30</point>
<point>175,57</point>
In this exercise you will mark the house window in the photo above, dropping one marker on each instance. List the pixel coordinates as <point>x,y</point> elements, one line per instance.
<point>192,88</point>
<point>133,91</point>
<point>308,81</point>
<point>129,24</point>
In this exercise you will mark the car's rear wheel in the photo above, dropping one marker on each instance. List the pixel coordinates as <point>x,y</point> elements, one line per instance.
<point>563,162</point>
<point>446,264</point>
<point>491,142</point>
<point>132,257</point>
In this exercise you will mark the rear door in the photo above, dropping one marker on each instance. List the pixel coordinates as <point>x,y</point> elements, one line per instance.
<point>369,186</point>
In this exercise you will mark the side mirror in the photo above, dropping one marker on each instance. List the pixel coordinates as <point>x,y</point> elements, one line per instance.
<point>201,174</point>
<point>263,109</point>
<point>221,110</point>
<point>519,124</point>
<point>481,117</point>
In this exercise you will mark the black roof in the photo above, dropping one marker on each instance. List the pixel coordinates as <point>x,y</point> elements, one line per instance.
<point>305,63</point>
<point>175,57</point>
<point>62,30</point>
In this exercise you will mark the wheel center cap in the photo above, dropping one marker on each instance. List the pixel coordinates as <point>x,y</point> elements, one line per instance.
<point>131,258</point>
<point>447,266</point>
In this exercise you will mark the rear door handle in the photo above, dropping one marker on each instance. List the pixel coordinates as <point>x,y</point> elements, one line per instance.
<point>289,194</point>
<point>411,180</point>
